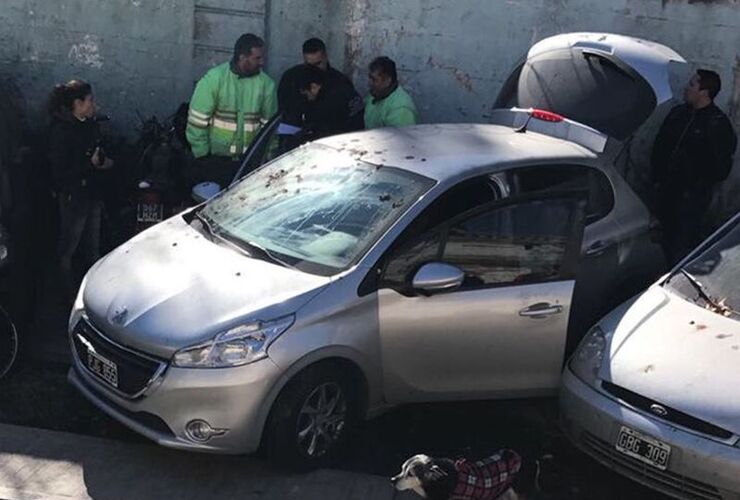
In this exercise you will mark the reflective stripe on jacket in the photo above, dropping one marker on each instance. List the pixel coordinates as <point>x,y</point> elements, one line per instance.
<point>224,104</point>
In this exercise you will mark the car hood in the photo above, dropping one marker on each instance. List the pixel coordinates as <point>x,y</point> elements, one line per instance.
<point>171,287</point>
<point>680,355</point>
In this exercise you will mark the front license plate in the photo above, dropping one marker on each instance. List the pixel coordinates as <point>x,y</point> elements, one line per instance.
<point>103,368</point>
<point>643,448</point>
<point>150,212</point>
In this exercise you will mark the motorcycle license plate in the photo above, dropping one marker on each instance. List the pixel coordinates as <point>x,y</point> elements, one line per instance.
<point>150,212</point>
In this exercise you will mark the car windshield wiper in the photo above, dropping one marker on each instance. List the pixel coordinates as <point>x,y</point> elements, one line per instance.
<point>206,224</point>
<point>715,306</point>
<point>255,251</point>
<point>248,247</point>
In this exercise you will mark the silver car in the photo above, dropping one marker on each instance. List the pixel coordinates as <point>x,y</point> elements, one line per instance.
<point>650,391</point>
<point>429,263</point>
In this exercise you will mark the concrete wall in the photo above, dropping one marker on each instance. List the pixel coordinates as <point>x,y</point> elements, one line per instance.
<point>137,53</point>
<point>452,56</point>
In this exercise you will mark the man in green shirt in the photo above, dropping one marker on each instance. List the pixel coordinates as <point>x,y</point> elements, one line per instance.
<point>388,105</point>
<point>228,107</point>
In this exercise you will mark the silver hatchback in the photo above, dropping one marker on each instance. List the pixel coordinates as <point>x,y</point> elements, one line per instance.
<point>429,263</point>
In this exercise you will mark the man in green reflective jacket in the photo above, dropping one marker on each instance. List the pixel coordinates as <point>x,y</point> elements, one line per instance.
<point>228,107</point>
<point>388,105</point>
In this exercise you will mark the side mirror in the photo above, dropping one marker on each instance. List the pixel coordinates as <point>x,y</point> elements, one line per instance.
<point>437,277</point>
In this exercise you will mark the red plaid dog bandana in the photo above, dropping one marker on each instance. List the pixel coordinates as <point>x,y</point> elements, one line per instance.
<point>487,479</point>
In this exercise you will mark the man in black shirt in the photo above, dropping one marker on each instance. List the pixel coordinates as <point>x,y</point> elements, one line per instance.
<point>337,108</point>
<point>691,155</point>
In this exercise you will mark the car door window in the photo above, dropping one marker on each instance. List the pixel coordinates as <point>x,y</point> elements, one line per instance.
<point>515,244</point>
<point>551,178</point>
<point>404,263</point>
<point>418,243</point>
<point>523,241</point>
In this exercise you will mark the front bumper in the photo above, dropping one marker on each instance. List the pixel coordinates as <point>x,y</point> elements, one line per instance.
<point>699,468</point>
<point>227,398</point>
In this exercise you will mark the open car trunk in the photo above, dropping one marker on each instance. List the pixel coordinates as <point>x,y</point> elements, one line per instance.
<point>611,83</point>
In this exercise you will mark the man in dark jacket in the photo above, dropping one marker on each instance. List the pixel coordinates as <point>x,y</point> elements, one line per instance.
<point>338,109</point>
<point>327,109</point>
<point>691,155</point>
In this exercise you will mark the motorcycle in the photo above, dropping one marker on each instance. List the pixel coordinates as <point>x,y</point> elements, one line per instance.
<point>164,155</point>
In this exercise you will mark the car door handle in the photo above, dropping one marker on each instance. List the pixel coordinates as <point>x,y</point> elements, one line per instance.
<point>540,310</point>
<point>597,248</point>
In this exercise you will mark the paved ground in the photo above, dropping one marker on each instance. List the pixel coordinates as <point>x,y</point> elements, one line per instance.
<point>104,460</point>
<point>39,397</point>
<point>49,465</point>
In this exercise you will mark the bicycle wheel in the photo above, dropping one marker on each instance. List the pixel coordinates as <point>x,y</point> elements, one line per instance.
<point>8,343</point>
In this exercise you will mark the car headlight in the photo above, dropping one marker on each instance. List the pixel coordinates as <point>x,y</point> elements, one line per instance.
<point>586,361</point>
<point>78,308</point>
<point>238,346</point>
<point>4,251</point>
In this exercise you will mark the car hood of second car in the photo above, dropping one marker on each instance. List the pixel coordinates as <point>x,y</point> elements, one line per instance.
<point>679,355</point>
<point>171,287</point>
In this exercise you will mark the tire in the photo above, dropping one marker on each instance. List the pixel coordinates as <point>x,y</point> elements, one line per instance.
<point>9,344</point>
<point>313,419</point>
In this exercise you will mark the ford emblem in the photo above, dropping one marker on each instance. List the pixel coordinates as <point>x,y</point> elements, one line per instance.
<point>658,410</point>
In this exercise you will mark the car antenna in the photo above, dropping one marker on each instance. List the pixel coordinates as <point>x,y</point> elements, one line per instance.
<point>523,128</point>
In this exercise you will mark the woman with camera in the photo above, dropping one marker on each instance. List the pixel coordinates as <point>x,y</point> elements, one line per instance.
<point>77,160</point>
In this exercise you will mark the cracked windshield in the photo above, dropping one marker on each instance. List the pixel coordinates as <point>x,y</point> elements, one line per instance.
<point>317,209</point>
<point>711,278</point>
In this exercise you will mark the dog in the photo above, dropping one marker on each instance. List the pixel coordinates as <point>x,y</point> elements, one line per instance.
<point>492,478</point>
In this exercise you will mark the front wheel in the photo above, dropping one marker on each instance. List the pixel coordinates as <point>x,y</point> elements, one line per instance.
<point>313,419</point>
<point>8,343</point>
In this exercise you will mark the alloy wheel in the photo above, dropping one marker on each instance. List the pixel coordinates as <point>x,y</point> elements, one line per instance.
<point>322,419</point>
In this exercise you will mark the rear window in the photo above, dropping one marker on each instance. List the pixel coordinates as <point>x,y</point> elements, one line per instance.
<point>584,86</point>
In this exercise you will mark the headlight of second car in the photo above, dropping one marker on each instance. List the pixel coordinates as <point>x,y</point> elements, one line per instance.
<point>238,346</point>
<point>4,250</point>
<point>78,307</point>
<point>588,358</point>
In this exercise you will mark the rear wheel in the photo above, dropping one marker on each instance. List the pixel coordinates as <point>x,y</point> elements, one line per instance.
<point>313,418</point>
<point>8,344</point>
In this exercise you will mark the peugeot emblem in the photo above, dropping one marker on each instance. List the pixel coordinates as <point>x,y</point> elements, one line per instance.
<point>119,316</point>
<point>658,410</point>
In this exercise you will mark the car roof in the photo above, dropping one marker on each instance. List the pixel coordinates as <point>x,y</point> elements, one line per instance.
<point>446,151</point>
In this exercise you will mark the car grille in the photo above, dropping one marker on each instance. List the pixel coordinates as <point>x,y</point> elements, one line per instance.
<point>673,416</point>
<point>668,482</point>
<point>136,371</point>
<point>148,420</point>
